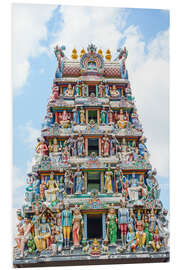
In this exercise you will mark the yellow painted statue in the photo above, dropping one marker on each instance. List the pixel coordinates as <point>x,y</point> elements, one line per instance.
<point>52,189</point>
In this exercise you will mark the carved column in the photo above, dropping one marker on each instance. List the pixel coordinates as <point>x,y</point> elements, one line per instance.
<point>86,116</point>
<point>61,91</point>
<point>103,226</point>
<point>102,182</point>
<point>86,146</point>
<point>98,117</point>
<point>56,117</point>
<point>100,147</point>
<point>85,181</point>
<point>85,225</point>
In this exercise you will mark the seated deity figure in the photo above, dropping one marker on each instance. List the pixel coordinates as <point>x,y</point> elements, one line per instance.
<point>48,120</point>
<point>79,181</point>
<point>122,122</point>
<point>131,239</point>
<point>108,181</point>
<point>133,190</point>
<point>80,145</point>
<point>112,226</point>
<point>42,239</point>
<point>69,92</point>
<point>113,91</point>
<point>106,146</point>
<point>77,227</point>
<point>52,189</point>
<point>64,119</point>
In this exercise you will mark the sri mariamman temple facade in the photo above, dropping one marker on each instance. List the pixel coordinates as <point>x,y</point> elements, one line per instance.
<point>92,196</point>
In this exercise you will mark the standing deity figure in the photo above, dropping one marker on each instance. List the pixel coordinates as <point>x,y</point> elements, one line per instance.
<point>84,90</point>
<point>82,116</point>
<point>48,120</point>
<point>66,224</point>
<point>54,147</point>
<point>79,181</point>
<point>80,145</point>
<point>61,190</point>
<point>69,92</point>
<point>77,89</point>
<point>163,225</point>
<point>108,181</point>
<point>148,232</point>
<point>52,189</point>
<point>64,119</point>
<point>118,177</point>
<point>112,226</point>
<point>133,190</point>
<point>156,243</point>
<point>76,119</point>
<point>103,116</point>
<point>77,227</point>
<point>152,185</point>
<point>41,150</point>
<point>123,221</point>
<point>19,228</point>
<point>106,146</point>
<point>134,119</point>
<point>110,117</point>
<point>36,221</point>
<point>132,218</point>
<point>55,92</point>
<point>71,142</point>
<point>114,143</point>
<point>152,221</point>
<point>65,154</point>
<point>42,239</point>
<point>67,181</point>
<point>101,90</point>
<point>143,151</point>
<point>128,93</point>
<point>139,227</point>
<point>113,91</point>
<point>29,194</point>
<point>131,239</point>
<point>59,55</point>
<point>121,123</point>
<point>58,219</point>
<point>106,90</point>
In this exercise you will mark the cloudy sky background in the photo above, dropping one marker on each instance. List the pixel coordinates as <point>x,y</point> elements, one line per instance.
<point>38,28</point>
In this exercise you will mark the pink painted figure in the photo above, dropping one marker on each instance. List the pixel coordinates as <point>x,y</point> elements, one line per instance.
<point>55,91</point>
<point>77,224</point>
<point>106,146</point>
<point>26,232</point>
<point>42,189</point>
<point>110,116</point>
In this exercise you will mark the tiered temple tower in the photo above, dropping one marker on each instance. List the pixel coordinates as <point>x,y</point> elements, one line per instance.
<point>92,190</point>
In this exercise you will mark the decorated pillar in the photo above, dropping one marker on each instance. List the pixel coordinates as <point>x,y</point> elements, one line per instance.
<point>86,146</point>
<point>98,117</point>
<point>86,116</point>
<point>102,182</point>
<point>100,147</point>
<point>103,226</point>
<point>85,225</point>
<point>61,91</point>
<point>56,117</point>
<point>85,181</point>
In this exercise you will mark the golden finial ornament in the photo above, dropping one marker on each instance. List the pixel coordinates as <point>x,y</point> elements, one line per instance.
<point>108,55</point>
<point>74,54</point>
<point>82,52</point>
<point>100,52</point>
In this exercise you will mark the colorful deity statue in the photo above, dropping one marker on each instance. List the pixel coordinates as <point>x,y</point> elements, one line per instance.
<point>52,189</point>
<point>77,89</point>
<point>118,176</point>
<point>152,185</point>
<point>54,147</point>
<point>113,91</point>
<point>103,116</point>
<point>106,88</point>
<point>41,150</point>
<point>139,227</point>
<point>42,239</point>
<point>69,92</point>
<point>128,93</point>
<point>148,232</point>
<point>123,221</point>
<point>36,221</point>
<point>79,181</point>
<point>133,190</point>
<point>19,228</point>
<point>76,119</point>
<point>42,189</point>
<point>66,224</point>
<point>101,90</point>
<point>64,119</point>
<point>156,243</point>
<point>163,224</point>
<point>48,120</point>
<point>84,90</point>
<point>65,154</point>
<point>114,143</point>
<point>82,116</point>
<point>23,237</point>
<point>132,218</point>
<point>143,151</point>
<point>112,226</point>
<point>106,145</point>
<point>110,117</point>
<point>77,227</point>
<point>80,145</point>
<point>152,221</point>
<point>68,180</point>
<point>55,92</point>
<point>59,239</point>
<point>108,181</point>
<point>122,122</point>
<point>131,239</point>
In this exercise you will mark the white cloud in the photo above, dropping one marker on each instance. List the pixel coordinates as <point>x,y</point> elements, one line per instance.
<point>29,134</point>
<point>29,28</point>
<point>82,25</point>
<point>18,185</point>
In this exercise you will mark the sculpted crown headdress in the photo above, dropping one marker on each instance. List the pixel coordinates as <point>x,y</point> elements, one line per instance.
<point>91,48</point>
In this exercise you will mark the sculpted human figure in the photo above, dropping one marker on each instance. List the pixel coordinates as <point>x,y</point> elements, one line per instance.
<point>41,149</point>
<point>77,226</point>
<point>19,228</point>
<point>113,91</point>
<point>123,221</point>
<point>79,180</point>
<point>101,90</point>
<point>68,182</point>
<point>106,146</point>
<point>114,143</point>
<point>42,239</point>
<point>133,190</point>
<point>25,235</point>
<point>52,188</point>
<point>64,119</point>
<point>118,176</point>
<point>131,239</point>
<point>69,92</point>
<point>139,227</point>
<point>108,181</point>
<point>82,116</point>
<point>112,226</point>
<point>143,151</point>
<point>66,224</point>
<point>103,116</point>
<point>121,123</point>
<point>80,145</point>
<point>110,117</point>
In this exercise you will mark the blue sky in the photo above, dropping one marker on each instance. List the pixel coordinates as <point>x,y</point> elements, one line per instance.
<point>145,34</point>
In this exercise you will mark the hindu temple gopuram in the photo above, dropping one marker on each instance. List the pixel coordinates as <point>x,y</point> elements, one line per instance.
<point>92,196</point>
